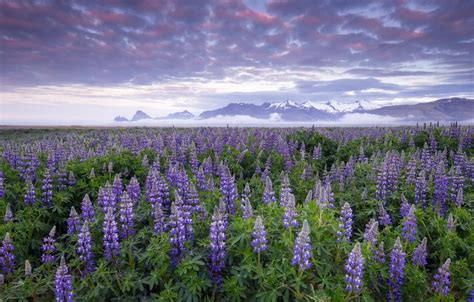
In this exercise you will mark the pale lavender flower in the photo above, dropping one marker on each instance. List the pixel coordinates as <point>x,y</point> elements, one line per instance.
<point>63,283</point>
<point>290,213</point>
<point>409,225</point>
<point>48,248</point>
<point>450,225</point>
<point>268,193</point>
<point>8,217</point>
<point>354,271</point>
<point>73,222</point>
<point>247,211</point>
<point>384,217</point>
<point>302,249</point>
<point>345,223</point>
<point>420,254</point>
<point>110,232</point>
<point>259,240</point>
<point>84,248</point>
<point>441,281</point>
<point>379,253</point>
<point>126,216</point>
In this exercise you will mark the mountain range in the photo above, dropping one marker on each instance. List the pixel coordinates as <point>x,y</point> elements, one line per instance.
<point>450,109</point>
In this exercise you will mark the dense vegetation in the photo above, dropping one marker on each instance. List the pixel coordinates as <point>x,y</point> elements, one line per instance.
<point>217,214</point>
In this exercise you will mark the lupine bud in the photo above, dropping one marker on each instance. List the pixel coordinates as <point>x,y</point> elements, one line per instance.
<point>345,223</point>
<point>87,209</point>
<point>354,271</point>
<point>7,259</point>
<point>302,249</point>
<point>48,248</point>
<point>73,222</point>
<point>409,226</point>
<point>450,225</point>
<point>63,283</point>
<point>420,254</point>
<point>290,214</point>
<point>84,248</point>
<point>27,268</point>
<point>396,271</point>
<point>259,240</point>
<point>8,217</point>
<point>110,232</point>
<point>441,282</point>
<point>247,211</point>
<point>404,206</point>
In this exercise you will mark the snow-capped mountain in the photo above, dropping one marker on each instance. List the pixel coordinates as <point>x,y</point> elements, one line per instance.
<point>452,109</point>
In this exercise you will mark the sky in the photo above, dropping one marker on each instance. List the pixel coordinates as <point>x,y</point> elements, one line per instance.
<point>89,61</point>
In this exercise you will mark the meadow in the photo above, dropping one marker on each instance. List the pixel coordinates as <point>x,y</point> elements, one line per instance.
<point>237,214</point>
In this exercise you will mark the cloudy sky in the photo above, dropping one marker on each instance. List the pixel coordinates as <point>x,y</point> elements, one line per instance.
<point>86,61</point>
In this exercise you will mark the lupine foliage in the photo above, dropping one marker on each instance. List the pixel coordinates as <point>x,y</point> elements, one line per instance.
<point>237,214</point>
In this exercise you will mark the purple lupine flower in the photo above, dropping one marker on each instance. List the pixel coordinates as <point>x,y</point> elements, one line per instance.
<point>87,210</point>
<point>63,283</point>
<point>404,206</point>
<point>396,271</point>
<point>247,211</point>
<point>192,199</point>
<point>409,225</point>
<point>421,189</point>
<point>441,282</point>
<point>420,254</point>
<point>177,232</point>
<point>159,225</point>
<point>73,222</point>
<point>302,249</point>
<point>84,248</point>
<point>110,233</point>
<point>290,213</point>
<point>345,223</point>
<point>7,259</point>
<point>8,217</point>
<point>217,245</point>
<point>126,216</point>
<point>268,193</point>
<point>384,217</point>
<point>228,189</point>
<point>259,240</point>
<point>30,195</point>
<point>381,184</point>
<point>201,179</point>
<point>133,190</point>
<point>47,189</point>
<point>411,171</point>
<point>379,253</point>
<point>2,188</point>
<point>354,271</point>
<point>117,188</point>
<point>48,248</point>
<point>440,189</point>
<point>450,225</point>
<point>371,232</point>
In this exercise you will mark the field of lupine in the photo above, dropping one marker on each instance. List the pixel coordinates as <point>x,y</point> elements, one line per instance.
<point>253,214</point>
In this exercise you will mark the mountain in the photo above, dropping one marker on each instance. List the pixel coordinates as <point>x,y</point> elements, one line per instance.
<point>183,115</point>
<point>140,115</point>
<point>120,119</point>
<point>451,109</point>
